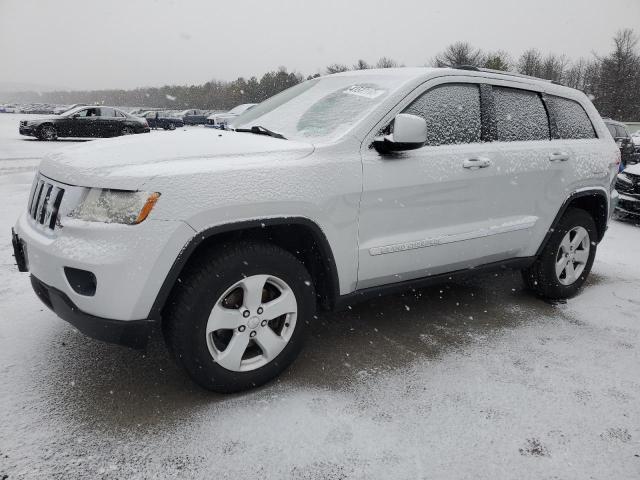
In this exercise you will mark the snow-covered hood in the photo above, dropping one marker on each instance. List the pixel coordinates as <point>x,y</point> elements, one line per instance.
<point>128,162</point>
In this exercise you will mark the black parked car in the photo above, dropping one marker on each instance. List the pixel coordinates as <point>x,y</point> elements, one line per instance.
<point>621,135</point>
<point>194,117</point>
<point>84,122</point>
<point>162,120</point>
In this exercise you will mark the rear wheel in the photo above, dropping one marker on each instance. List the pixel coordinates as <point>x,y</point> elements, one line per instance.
<point>47,133</point>
<point>126,131</point>
<point>172,126</point>
<point>239,316</point>
<point>566,260</point>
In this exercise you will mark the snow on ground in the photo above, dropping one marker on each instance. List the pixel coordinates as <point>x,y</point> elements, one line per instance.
<point>475,379</point>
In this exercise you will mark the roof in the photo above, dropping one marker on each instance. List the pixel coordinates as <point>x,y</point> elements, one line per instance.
<point>426,72</point>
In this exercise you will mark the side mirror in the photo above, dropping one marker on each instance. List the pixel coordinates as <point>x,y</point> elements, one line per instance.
<point>409,133</point>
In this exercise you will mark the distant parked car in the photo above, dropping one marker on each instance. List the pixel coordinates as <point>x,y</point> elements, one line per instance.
<point>220,120</point>
<point>623,139</point>
<point>162,120</point>
<point>636,141</point>
<point>8,109</point>
<point>628,187</point>
<point>193,117</point>
<point>84,122</point>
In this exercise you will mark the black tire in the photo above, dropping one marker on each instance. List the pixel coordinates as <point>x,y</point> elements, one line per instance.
<point>47,133</point>
<point>203,283</point>
<point>172,126</point>
<point>126,130</point>
<point>542,278</point>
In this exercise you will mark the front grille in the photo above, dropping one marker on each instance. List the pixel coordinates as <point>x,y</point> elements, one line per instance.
<point>629,188</point>
<point>44,202</point>
<point>624,187</point>
<point>23,123</point>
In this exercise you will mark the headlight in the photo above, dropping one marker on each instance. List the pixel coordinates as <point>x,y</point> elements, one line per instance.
<point>115,206</point>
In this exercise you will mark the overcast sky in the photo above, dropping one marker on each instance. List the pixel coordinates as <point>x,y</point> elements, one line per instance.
<point>122,44</point>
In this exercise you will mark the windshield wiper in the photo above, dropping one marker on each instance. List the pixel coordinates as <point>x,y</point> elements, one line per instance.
<point>260,130</point>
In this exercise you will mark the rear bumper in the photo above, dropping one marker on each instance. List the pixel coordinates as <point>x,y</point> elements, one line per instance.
<point>130,333</point>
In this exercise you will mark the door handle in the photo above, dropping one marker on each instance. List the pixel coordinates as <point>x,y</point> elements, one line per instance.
<point>479,162</point>
<point>558,157</point>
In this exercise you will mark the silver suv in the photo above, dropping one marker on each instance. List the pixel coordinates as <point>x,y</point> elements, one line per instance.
<point>338,189</point>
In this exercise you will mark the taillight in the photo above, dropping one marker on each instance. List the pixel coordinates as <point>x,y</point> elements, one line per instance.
<point>614,168</point>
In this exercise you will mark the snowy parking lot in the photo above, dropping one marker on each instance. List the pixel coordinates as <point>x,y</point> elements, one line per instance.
<point>472,379</point>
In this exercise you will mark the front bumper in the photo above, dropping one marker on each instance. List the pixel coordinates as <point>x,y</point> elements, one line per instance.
<point>129,262</point>
<point>130,333</point>
<point>27,130</point>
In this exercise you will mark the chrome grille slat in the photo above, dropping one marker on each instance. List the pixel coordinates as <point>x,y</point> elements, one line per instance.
<point>45,201</point>
<point>42,210</point>
<point>52,212</point>
<point>36,198</point>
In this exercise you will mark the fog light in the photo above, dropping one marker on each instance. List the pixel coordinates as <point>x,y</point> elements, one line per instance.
<point>82,282</point>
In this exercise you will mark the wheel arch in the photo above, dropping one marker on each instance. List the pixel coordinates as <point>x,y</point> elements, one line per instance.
<point>298,235</point>
<point>594,201</point>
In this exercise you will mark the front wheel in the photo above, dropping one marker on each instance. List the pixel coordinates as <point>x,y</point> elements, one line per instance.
<point>48,133</point>
<point>566,260</point>
<point>239,316</point>
<point>172,126</point>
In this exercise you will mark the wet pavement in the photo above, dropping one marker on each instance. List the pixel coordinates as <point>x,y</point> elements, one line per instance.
<point>471,379</point>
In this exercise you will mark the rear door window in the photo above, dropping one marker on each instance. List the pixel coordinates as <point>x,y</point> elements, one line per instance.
<point>572,122</point>
<point>520,115</point>
<point>452,113</point>
<point>107,112</point>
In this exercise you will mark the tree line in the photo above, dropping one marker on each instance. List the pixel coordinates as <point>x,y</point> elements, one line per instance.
<point>612,81</point>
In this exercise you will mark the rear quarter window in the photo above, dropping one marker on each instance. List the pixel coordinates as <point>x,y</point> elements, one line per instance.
<point>572,122</point>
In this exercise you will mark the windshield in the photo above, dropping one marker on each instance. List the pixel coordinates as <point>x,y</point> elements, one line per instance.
<point>321,109</point>
<point>71,111</point>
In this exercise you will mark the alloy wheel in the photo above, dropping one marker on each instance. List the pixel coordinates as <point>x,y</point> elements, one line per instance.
<point>251,323</point>
<point>48,132</point>
<point>572,255</point>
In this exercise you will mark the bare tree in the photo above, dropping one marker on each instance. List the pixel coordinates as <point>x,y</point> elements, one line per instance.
<point>386,62</point>
<point>553,67</point>
<point>530,63</point>
<point>337,68</point>
<point>457,54</point>
<point>576,74</point>
<point>361,65</point>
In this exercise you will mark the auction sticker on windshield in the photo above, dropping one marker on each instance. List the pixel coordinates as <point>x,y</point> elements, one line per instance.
<point>362,91</point>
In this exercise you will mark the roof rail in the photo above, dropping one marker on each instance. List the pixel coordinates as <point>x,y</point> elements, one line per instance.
<point>502,72</point>
<point>467,67</point>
